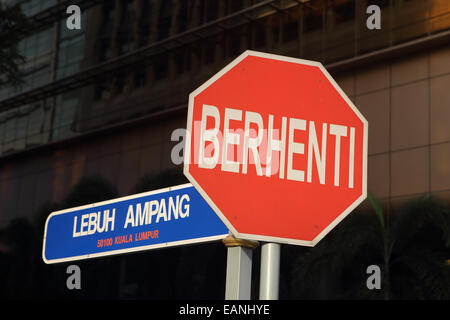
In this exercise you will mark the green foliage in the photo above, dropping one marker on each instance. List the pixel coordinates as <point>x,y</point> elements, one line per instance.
<point>411,251</point>
<point>41,214</point>
<point>410,247</point>
<point>377,208</point>
<point>90,190</point>
<point>335,267</point>
<point>420,238</point>
<point>12,21</point>
<point>193,272</point>
<point>161,180</point>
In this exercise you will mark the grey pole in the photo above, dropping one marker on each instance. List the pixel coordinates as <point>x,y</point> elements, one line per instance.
<point>270,271</point>
<point>239,268</point>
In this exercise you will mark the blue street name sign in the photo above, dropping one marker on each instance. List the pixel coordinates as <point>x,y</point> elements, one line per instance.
<point>167,217</point>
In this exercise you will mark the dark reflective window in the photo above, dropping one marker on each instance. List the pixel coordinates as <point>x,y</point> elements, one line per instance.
<point>183,15</point>
<point>236,5</point>
<point>144,23</point>
<point>164,19</point>
<point>312,16</point>
<point>161,68</point>
<point>212,10</point>
<point>140,77</point>
<point>344,11</point>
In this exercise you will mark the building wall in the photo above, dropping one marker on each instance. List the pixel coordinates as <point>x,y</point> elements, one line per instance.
<point>406,101</point>
<point>322,30</point>
<point>407,104</point>
<point>122,156</point>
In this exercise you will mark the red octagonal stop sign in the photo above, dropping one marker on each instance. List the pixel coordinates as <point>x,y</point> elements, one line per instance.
<point>276,148</point>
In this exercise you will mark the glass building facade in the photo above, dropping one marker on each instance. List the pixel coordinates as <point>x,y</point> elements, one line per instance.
<point>52,52</point>
<point>155,52</point>
<point>104,101</point>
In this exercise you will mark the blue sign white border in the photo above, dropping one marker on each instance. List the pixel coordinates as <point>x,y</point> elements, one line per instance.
<point>126,250</point>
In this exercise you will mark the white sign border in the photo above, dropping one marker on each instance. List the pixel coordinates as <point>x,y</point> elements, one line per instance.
<point>187,160</point>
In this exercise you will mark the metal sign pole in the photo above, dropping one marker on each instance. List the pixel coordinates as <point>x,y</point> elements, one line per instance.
<point>270,271</point>
<point>239,268</point>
